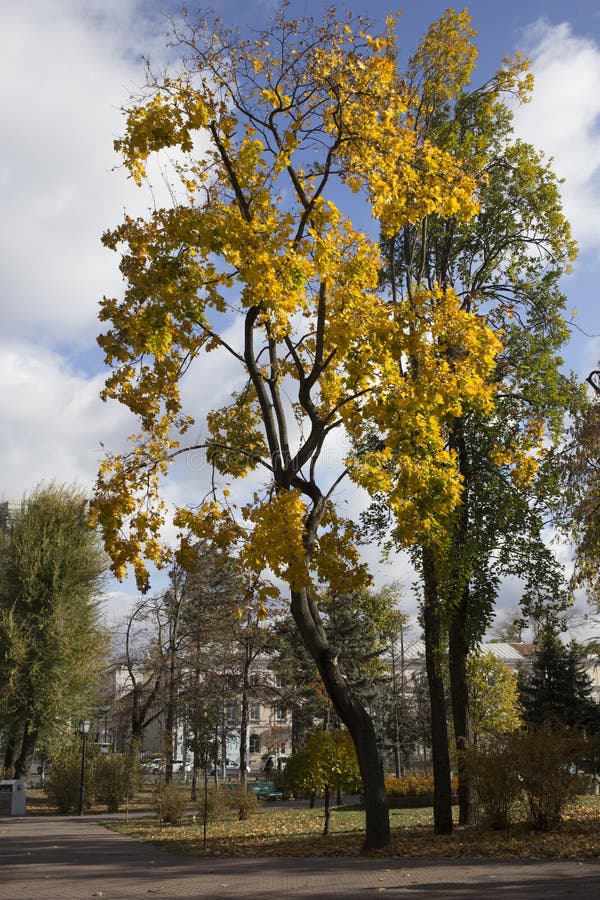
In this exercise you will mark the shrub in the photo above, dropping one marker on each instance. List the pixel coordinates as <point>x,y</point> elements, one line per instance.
<point>493,768</point>
<point>63,785</point>
<point>412,791</point>
<point>117,776</point>
<point>242,801</point>
<point>544,756</point>
<point>534,764</point>
<point>171,802</point>
<point>215,805</point>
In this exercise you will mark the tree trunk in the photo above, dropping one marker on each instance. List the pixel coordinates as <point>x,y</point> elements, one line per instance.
<point>28,744</point>
<point>352,713</point>
<point>327,810</point>
<point>10,753</point>
<point>170,722</point>
<point>440,755</point>
<point>395,723</point>
<point>244,716</point>
<point>459,690</point>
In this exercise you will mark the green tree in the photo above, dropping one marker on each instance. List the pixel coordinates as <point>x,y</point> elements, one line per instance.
<point>52,645</point>
<point>494,699</point>
<point>581,480</point>
<point>300,688</point>
<point>558,691</point>
<point>505,265</point>
<point>328,763</point>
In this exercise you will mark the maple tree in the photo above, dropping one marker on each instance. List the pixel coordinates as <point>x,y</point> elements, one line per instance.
<point>273,137</point>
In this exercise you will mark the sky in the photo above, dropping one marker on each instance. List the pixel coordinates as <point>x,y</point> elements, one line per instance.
<point>67,68</point>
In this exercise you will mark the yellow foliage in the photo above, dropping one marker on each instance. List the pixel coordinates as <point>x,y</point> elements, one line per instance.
<point>265,264</point>
<point>276,539</point>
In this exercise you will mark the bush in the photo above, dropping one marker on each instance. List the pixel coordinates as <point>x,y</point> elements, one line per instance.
<point>242,801</point>
<point>216,805</point>
<point>534,765</point>
<point>412,791</point>
<point>63,785</point>
<point>117,776</point>
<point>171,802</point>
<point>493,768</point>
<point>544,756</point>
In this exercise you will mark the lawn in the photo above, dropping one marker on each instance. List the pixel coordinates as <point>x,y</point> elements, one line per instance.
<point>284,831</point>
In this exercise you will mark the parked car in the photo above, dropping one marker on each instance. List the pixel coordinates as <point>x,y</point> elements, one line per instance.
<point>231,768</point>
<point>153,766</point>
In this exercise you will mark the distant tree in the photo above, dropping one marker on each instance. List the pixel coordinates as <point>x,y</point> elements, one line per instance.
<point>300,688</point>
<point>510,627</point>
<point>581,469</point>
<point>328,763</point>
<point>494,699</point>
<point>558,689</point>
<point>52,645</point>
<point>362,626</point>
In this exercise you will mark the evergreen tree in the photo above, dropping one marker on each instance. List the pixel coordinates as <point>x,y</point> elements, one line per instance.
<point>558,689</point>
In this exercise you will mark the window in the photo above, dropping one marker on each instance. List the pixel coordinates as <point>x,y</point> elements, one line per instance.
<point>254,744</point>
<point>231,713</point>
<point>280,714</point>
<point>255,712</point>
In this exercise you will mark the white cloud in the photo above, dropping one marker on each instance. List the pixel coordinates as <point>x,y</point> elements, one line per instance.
<point>563,119</point>
<point>65,69</point>
<point>52,420</point>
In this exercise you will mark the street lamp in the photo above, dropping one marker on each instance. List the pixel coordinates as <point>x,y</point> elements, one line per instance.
<point>84,727</point>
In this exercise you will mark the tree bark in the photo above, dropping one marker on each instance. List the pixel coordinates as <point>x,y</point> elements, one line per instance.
<point>459,690</point>
<point>459,642</point>
<point>440,755</point>
<point>10,753</point>
<point>245,715</point>
<point>352,713</point>
<point>28,745</point>
<point>327,797</point>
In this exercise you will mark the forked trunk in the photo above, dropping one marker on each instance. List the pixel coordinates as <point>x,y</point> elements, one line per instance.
<point>352,713</point>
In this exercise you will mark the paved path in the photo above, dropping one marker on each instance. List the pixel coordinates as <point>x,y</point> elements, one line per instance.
<point>48,858</point>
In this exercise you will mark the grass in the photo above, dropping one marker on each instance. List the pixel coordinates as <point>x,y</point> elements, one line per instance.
<point>298,832</point>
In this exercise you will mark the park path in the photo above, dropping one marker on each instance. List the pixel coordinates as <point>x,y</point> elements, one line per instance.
<point>52,858</point>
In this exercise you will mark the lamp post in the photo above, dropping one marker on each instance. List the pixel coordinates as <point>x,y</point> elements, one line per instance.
<point>84,727</point>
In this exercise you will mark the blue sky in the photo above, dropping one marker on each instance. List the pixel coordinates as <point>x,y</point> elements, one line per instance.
<point>69,65</point>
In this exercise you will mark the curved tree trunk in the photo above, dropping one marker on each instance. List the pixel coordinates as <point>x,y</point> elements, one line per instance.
<point>459,689</point>
<point>352,713</point>
<point>440,754</point>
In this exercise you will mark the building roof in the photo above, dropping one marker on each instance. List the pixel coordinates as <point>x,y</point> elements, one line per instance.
<point>513,652</point>
<point>509,652</point>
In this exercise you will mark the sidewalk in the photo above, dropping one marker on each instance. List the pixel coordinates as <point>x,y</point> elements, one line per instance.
<point>56,858</point>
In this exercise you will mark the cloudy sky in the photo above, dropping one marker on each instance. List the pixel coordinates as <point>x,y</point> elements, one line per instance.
<point>68,66</point>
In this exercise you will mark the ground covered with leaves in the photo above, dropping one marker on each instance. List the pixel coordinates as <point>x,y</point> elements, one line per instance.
<point>277,831</point>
